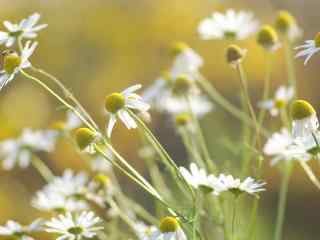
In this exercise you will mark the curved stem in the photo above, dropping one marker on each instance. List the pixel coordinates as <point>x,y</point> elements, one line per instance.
<point>42,168</point>
<point>282,201</point>
<point>310,174</point>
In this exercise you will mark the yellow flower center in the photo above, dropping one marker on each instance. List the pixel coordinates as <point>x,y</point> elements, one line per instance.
<point>84,137</point>
<point>317,40</point>
<point>178,48</point>
<point>279,103</point>
<point>182,119</point>
<point>284,21</point>
<point>102,180</point>
<point>181,85</point>
<point>114,102</point>
<point>169,224</point>
<point>11,62</point>
<point>267,37</point>
<point>301,109</point>
<point>58,125</point>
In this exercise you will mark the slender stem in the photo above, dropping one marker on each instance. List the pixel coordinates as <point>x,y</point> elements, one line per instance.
<point>225,104</point>
<point>282,201</point>
<point>290,65</point>
<point>310,174</point>
<point>234,215</point>
<point>67,93</point>
<point>66,104</point>
<point>42,168</point>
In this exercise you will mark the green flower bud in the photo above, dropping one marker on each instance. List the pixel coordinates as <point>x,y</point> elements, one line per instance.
<point>284,21</point>
<point>84,137</point>
<point>178,48</point>
<point>234,54</point>
<point>169,224</point>
<point>317,40</point>
<point>182,85</point>
<point>267,37</point>
<point>114,102</point>
<point>301,109</point>
<point>11,62</point>
<point>182,119</point>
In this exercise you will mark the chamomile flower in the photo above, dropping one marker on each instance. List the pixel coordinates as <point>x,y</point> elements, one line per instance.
<point>13,63</point>
<point>144,231</point>
<point>186,61</point>
<point>87,139</point>
<point>287,25</point>
<point>197,177</point>
<point>304,119</point>
<point>225,183</point>
<point>118,104</point>
<point>282,97</point>
<point>74,227</point>
<point>309,48</point>
<point>169,229</point>
<point>15,230</point>
<point>27,28</point>
<point>231,25</point>
<point>19,151</point>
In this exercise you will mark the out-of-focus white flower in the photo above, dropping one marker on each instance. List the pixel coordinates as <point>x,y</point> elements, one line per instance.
<point>231,25</point>
<point>15,230</point>
<point>13,63</point>
<point>65,193</point>
<point>27,28</point>
<point>79,226</point>
<point>225,183</point>
<point>186,61</point>
<point>118,104</point>
<point>72,121</point>
<point>169,229</point>
<point>100,164</point>
<point>18,152</point>
<point>198,178</point>
<point>280,100</point>
<point>144,231</point>
<point>309,48</point>
<point>304,119</point>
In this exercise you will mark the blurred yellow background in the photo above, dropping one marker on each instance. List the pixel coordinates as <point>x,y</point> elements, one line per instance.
<point>99,46</point>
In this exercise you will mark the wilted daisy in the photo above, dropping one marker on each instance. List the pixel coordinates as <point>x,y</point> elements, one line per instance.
<point>309,48</point>
<point>304,119</point>
<point>13,63</point>
<point>27,28</point>
<point>169,229</point>
<point>74,227</point>
<point>268,38</point>
<point>287,25</point>
<point>197,177</point>
<point>118,104</point>
<point>18,152</point>
<point>15,230</point>
<point>87,139</point>
<point>282,97</point>
<point>225,183</point>
<point>231,25</point>
<point>186,61</point>
<point>144,231</point>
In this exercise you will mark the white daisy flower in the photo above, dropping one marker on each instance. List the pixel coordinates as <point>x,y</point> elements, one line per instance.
<point>304,119</point>
<point>186,61</point>
<point>13,63</point>
<point>309,48</point>
<point>15,230</point>
<point>144,231</point>
<point>18,152</point>
<point>69,227</point>
<point>228,183</point>
<point>27,28</point>
<point>280,100</point>
<point>118,104</point>
<point>169,229</point>
<point>231,25</point>
<point>198,178</point>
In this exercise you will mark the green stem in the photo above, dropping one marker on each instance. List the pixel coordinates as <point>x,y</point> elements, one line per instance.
<point>282,201</point>
<point>223,102</point>
<point>66,104</point>
<point>234,215</point>
<point>310,174</point>
<point>42,168</point>
<point>290,65</point>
